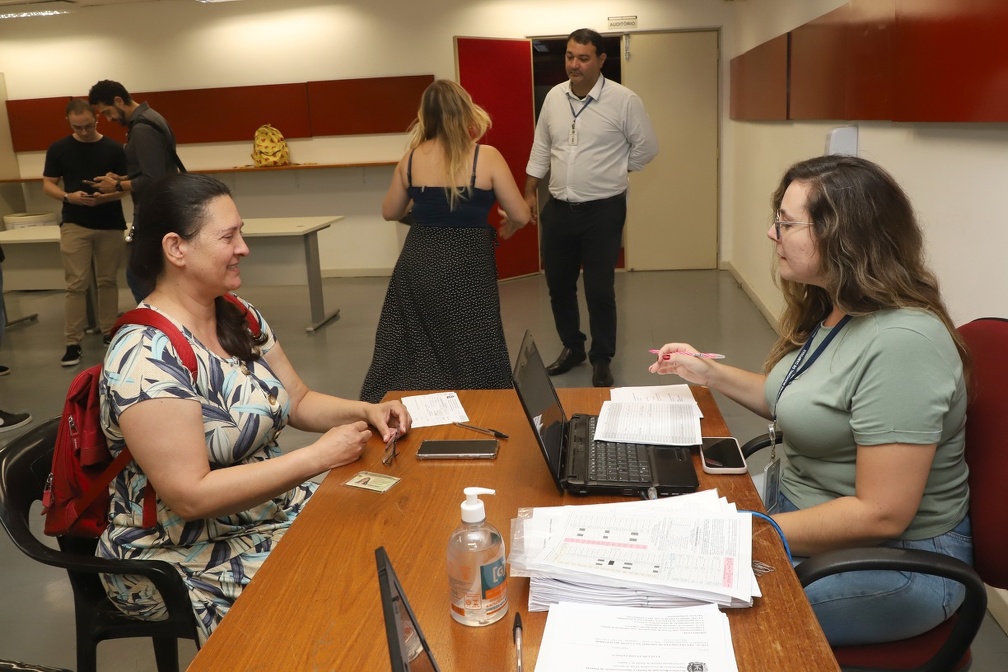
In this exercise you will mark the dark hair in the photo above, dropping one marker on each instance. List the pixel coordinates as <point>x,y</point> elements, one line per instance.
<point>871,250</point>
<point>177,204</point>
<point>78,105</point>
<point>105,92</point>
<point>585,36</point>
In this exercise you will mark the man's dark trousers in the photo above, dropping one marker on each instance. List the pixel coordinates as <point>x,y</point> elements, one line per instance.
<point>583,235</point>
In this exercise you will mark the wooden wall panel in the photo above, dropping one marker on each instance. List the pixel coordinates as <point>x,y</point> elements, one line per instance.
<point>759,82</point>
<point>951,63</point>
<point>842,63</point>
<point>361,106</point>
<point>871,59</point>
<point>818,67</point>
<point>232,114</point>
<point>36,123</point>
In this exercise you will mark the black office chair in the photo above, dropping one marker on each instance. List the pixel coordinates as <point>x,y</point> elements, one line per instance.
<point>947,646</point>
<point>14,666</point>
<point>25,463</point>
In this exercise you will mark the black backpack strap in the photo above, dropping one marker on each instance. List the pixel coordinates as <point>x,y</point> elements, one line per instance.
<point>169,141</point>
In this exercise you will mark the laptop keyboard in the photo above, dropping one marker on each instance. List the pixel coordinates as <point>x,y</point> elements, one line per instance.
<point>617,462</point>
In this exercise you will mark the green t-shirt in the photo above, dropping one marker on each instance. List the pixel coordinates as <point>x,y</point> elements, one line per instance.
<point>891,377</point>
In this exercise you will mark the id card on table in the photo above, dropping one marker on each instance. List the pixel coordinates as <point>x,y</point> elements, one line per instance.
<point>369,480</point>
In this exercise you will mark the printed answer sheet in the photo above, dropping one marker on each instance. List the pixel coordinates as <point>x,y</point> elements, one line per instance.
<point>679,550</point>
<point>629,639</point>
<point>663,424</point>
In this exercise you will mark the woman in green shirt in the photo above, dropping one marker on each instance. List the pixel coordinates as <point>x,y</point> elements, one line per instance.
<point>868,384</point>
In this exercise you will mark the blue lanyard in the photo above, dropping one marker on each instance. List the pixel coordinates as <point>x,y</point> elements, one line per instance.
<point>587,103</point>
<point>797,368</point>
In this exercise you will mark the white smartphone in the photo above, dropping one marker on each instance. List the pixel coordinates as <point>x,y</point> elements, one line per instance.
<point>722,455</point>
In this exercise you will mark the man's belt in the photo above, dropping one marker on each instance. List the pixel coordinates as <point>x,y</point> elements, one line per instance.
<point>590,204</point>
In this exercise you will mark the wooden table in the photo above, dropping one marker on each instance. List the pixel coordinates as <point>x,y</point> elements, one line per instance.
<point>36,262</point>
<point>315,604</point>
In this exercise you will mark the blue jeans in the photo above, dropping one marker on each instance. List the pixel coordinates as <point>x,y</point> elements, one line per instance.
<point>885,606</point>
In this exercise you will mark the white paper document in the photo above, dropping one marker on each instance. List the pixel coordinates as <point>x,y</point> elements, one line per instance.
<point>663,424</point>
<point>627,639</point>
<point>677,551</point>
<point>655,393</point>
<point>439,408</point>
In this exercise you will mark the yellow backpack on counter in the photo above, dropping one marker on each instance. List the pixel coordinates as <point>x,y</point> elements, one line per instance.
<point>269,147</point>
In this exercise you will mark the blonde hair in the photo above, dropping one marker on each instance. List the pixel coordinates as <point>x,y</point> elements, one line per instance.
<point>871,251</point>
<point>448,114</point>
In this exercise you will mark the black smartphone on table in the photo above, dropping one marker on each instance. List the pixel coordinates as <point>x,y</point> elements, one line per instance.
<point>457,449</point>
<point>722,455</point>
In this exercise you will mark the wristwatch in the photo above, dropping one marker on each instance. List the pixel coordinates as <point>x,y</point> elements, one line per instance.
<point>66,197</point>
<point>118,185</point>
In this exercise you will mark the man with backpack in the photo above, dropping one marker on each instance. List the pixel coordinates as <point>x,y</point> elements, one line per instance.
<point>150,149</point>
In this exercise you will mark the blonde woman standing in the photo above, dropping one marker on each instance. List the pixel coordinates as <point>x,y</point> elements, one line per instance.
<point>440,325</point>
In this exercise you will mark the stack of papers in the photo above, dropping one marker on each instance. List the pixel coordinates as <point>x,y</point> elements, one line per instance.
<point>687,550</point>
<point>664,415</point>
<point>611,639</point>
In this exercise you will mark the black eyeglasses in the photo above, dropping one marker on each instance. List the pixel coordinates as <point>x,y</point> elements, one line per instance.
<point>391,450</point>
<point>783,224</point>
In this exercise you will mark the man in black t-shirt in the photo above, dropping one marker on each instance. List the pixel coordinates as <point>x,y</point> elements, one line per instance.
<point>91,229</point>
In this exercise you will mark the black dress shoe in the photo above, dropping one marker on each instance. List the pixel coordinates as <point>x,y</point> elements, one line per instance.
<point>567,360</point>
<point>601,375</point>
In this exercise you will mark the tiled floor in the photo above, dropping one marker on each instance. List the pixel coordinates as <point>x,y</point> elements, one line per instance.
<point>705,308</point>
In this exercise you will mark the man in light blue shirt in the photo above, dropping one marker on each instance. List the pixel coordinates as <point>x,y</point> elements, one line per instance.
<point>591,133</point>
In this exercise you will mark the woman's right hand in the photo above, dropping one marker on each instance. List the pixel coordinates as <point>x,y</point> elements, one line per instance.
<point>675,358</point>
<point>343,444</point>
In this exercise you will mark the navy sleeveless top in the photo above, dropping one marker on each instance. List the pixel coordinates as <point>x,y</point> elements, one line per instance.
<point>431,206</point>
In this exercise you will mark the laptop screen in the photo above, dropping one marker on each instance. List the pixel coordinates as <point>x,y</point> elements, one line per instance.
<point>408,649</point>
<point>539,399</point>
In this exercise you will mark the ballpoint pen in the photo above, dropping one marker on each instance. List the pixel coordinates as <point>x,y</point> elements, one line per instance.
<point>701,355</point>
<point>518,640</point>
<point>482,430</point>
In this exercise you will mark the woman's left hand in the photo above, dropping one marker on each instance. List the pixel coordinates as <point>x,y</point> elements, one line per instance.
<point>508,226</point>
<point>387,416</point>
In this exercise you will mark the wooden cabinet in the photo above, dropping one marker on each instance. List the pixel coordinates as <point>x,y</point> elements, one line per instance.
<point>899,60</point>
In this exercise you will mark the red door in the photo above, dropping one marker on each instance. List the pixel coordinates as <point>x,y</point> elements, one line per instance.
<point>497,73</point>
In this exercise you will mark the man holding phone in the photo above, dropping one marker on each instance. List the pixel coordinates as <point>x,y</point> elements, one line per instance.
<point>92,223</point>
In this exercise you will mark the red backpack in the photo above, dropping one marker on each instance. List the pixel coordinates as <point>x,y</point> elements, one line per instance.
<point>76,497</point>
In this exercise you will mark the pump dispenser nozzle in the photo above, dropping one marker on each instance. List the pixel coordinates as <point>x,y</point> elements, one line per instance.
<point>472,508</point>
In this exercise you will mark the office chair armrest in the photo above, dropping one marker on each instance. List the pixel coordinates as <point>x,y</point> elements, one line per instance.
<point>162,574</point>
<point>970,614</point>
<point>758,443</point>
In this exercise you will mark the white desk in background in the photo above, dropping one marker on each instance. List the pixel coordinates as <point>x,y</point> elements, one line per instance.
<point>33,258</point>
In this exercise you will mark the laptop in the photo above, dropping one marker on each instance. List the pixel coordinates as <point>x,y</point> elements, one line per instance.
<point>408,649</point>
<point>579,464</point>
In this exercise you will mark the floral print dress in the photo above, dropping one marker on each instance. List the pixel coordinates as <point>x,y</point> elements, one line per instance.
<point>244,408</point>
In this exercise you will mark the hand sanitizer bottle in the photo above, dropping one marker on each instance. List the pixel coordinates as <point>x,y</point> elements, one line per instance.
<point>477,579</point>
